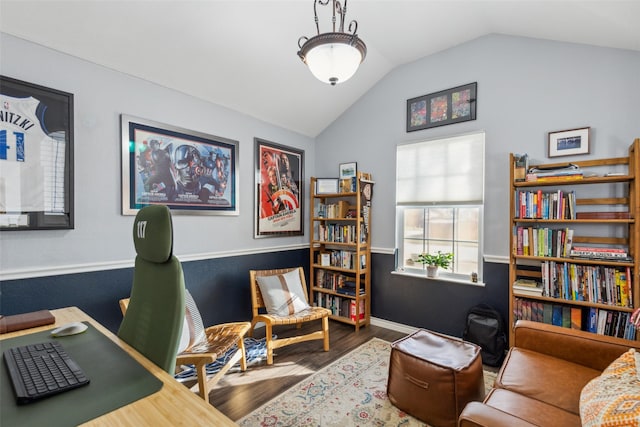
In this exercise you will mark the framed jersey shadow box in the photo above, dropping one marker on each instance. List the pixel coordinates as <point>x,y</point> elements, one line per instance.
<point>36,157</point>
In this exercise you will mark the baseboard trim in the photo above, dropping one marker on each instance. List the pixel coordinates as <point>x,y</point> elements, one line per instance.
<point>387,324</point>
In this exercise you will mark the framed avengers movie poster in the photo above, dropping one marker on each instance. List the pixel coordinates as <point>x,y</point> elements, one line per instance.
<point>190,172</point>
<point>279,179</point>
<point>36,157</point>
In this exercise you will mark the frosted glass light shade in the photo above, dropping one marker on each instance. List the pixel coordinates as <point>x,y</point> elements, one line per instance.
<point>333,57</point>
<point>333,63</point>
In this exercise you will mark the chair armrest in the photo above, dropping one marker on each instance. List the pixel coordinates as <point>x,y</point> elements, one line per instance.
<point>581,347</point>
<point>479,414</point>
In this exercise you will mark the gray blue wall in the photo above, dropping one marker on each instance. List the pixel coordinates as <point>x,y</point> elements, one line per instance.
<point>526,88</point>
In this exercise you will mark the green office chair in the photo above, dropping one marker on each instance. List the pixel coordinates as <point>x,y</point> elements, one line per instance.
<point>154,318</point>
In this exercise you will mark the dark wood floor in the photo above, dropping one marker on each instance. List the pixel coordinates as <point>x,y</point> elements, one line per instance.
<point>237,394</point>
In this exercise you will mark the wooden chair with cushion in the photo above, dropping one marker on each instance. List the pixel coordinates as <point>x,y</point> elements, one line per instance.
<point>200,346</point>
<point>279,297</point>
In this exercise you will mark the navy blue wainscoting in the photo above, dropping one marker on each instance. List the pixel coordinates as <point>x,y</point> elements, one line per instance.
<point>431,304</point>
<point>219,286</point>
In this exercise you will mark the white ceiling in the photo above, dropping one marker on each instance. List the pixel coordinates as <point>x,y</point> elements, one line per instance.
<point>242,54</point>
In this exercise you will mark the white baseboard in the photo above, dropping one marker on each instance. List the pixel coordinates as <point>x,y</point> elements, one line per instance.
<point>393,325</point>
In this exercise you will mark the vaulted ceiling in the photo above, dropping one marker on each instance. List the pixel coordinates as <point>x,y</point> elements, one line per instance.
<point>242,54</point>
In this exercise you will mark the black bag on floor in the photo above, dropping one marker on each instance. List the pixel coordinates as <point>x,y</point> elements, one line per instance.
<point>486,328</point>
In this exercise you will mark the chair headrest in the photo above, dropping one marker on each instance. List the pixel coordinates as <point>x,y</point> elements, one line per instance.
<point>153,233</point>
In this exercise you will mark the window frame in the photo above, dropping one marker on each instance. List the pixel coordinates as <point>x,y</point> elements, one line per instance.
<point>420,270</point>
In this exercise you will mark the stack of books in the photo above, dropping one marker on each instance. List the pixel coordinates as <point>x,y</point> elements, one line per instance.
<point>567,171</point>
<point>600,252</point>
<point>527,287</point>
<point>349,288</point>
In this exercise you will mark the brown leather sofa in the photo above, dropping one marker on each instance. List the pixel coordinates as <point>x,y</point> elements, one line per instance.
<point>540,380</point>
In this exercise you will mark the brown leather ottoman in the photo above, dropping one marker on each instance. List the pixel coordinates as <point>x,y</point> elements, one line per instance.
<point>433,376</point>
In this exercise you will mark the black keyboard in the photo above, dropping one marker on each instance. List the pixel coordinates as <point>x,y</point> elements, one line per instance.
<point>41,370</point>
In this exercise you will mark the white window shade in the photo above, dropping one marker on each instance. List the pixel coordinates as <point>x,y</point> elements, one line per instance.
<point>442,171</point>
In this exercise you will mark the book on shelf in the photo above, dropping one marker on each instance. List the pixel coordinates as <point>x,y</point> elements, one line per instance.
<point>600,252</point>
<point>576,318</point>
<point>554,178</point>
<point>352,310</point>
<point>325,259</point>
<point>556,318</point>
<point>601,249</point>
<point>592,323</point>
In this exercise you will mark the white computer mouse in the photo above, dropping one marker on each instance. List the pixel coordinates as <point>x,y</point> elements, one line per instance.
<point>69,329</point>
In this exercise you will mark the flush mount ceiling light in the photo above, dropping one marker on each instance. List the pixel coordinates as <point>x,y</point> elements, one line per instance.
<point>333,57</point>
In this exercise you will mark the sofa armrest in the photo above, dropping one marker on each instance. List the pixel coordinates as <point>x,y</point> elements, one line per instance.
<point>479,414</point>
<point>581,347</point>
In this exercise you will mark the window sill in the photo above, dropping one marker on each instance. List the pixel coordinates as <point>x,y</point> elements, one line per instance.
<point>440,278</point>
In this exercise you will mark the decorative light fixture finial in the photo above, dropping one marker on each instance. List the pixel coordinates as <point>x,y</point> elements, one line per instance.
<point>333,57</point>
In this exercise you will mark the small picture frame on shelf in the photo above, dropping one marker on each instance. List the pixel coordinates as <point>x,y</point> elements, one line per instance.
<point>569,142</point>
<point>327,185</point>
<point>348,185</point>
<point>348,170</point>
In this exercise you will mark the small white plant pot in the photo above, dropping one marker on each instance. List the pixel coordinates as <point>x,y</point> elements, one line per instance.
<point>432,270</point>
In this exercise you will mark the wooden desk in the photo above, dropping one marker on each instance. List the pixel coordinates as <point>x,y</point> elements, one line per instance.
<point>173,405</point>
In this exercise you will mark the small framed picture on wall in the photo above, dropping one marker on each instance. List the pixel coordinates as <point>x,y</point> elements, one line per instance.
<point>569,142</point>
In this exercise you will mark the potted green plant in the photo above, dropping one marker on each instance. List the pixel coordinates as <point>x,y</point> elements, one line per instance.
<point>433,261</point>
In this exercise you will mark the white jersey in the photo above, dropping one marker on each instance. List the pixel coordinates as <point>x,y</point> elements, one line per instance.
<point>31,162</point>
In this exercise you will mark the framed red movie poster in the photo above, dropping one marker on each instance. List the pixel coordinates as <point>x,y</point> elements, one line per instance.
<point>279,184</point>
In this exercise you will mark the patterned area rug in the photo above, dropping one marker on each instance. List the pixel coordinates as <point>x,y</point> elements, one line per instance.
<point>352,391</point>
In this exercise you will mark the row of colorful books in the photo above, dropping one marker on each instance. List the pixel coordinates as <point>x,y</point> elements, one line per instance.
<point>341,209</point>
<point>341,233</point>
<point>339,306</point>
<point>545,205</point>
<point>330,280</point>
<point>593,283</point>
<point>337,282</point>
<point>542,241</point>
<point>341,258</point>
<point>599,321</point>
